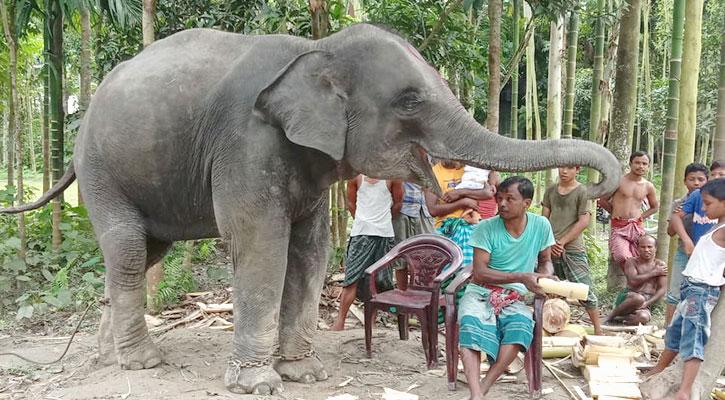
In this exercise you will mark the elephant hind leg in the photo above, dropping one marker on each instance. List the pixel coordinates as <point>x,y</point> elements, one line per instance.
<point>125,252</point>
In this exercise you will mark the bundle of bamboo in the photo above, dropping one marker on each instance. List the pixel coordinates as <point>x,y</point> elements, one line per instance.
<point>606,364</point>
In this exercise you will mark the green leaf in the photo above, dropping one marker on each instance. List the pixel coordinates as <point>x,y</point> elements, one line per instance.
<point>12,242</point>
<point>47,275</point>
<point>17,265</point>
<point>91,262</point>
<point>23,278</point>
<point>24,312</point>
<point>217,273</point>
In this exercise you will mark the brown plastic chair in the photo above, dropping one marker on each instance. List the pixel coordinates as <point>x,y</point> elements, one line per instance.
<point>532,358</point>
<point>426,256</point>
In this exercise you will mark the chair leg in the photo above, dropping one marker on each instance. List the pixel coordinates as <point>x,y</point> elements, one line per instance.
<point>403,326</point>
<point>425,333</point>
<point>433,336</point>
<point>451,346</point>
<point>532,358</point>
<point>369,329</point>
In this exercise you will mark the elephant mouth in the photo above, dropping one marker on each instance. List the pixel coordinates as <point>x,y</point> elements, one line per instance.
<point>423,170</point>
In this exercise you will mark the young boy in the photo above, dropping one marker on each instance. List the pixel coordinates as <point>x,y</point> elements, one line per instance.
<point>690,327</point>
<point>646,284</point>
<point>694,205</point>
<point>372,203</point>
<point>625,205</point>
<point>696,175</point>
<point>566,206</point>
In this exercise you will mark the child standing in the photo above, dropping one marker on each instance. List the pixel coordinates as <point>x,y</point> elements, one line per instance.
<point>566,206</point>
<point>700,292</point>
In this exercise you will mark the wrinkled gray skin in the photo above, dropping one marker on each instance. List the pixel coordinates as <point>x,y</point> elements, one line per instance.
<point>207,134</point>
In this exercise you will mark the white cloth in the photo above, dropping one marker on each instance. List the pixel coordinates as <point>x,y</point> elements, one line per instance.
<point>372,210</point>
<point>707,263</point>
<point>473,178</point>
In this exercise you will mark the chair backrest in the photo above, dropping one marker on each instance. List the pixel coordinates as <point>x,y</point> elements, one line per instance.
<point>426,256</point>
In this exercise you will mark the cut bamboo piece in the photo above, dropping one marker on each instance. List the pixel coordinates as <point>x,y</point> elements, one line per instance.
<point>555,352</point>
<point>214,308</point>
<point>608,350</point>
<point>571,290</point>
<point>625,390</point>
<point>610,341</point>
<point>557,341</point>
<point>572,330</point>
<point>611,398</point>
<point>613,375</point>
<point>608,360</point>
<point>556,314</point>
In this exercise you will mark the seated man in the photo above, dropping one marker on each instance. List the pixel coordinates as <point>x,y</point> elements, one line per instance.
<point>646,284</point>
<point>492,316</point>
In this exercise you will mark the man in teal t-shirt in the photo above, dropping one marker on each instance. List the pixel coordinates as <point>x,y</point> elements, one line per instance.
<point>492,315</point>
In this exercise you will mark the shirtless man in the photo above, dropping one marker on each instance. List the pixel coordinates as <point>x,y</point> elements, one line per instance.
<point>646,284</point>
<point>625,205</point>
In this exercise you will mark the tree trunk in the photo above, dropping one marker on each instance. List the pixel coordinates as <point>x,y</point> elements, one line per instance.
<point>9,30</point>
<point>188,253</point>
<point>5,127</point>
<point>155,274</point>
<point>530,82</point>
<point>494,64</point>
<point>718,148</point>
<point>31,141</point>
<point>85,95</point>
<point>46,108</point>
<point>515,72</point>
<point>55,22</point>
<point>645,90</point>
<point>594,111</point>
<point>16,133</point>
<point>625,91</point>
<point>688,92</point>
<point>553,94</point>
<point>572,41</point>
<point>320,18</point>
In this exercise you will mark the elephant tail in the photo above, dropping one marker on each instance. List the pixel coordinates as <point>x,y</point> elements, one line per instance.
<point>58,188</point>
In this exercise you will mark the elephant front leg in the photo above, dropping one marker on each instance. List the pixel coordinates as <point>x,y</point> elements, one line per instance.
<point>260,259</point>
<point>307,262</point>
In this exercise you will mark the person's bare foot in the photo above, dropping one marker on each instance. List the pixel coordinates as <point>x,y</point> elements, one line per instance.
<point>677,396</point>
<point>338,325</point>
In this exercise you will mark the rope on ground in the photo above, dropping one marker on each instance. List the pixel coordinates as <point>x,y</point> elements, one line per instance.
<point>90,304</point>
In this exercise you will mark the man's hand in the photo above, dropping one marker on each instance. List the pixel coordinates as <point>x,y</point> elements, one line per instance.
<point>531,281</point>
<point>662,270</point>
<point>452,195</point>
<point>557,250</point>
<point>469,203</point>
<point>677,209</point>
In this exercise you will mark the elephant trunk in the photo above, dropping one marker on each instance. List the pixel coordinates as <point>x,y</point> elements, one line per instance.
<point>465,140</point>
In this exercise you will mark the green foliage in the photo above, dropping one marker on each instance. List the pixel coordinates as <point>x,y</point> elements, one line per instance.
<point>179,279</point>
<point>45,281</point>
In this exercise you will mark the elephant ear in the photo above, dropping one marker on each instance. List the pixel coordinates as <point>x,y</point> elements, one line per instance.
<point>307,100</point>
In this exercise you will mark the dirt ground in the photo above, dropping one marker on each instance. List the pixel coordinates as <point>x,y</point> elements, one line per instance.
<point>195,361</point>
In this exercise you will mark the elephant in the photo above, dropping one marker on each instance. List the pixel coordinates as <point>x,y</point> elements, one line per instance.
<point>214,134</point>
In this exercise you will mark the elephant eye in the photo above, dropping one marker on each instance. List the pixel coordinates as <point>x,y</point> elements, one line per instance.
<point>408,103</point>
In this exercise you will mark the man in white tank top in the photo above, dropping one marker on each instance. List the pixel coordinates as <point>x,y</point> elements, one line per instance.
<point>700,291</point>
<point>372,203</point>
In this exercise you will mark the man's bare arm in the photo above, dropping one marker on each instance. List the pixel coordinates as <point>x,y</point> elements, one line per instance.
<point>396,188</point>
<point>634,278</point>
<point>352,194</point>
<point>545,266</point>
<point>545,211</point>
<point>654,204</point>
<point>476,194</point>
<point>661,288</point>
<point>482,274</point>
<point>679,228</point>
<point>605,202</point>
<point>581,223</point>
<point>436,210</point>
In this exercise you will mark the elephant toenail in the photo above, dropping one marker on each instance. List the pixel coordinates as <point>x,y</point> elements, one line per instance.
<point>262,389</point>
<point>308,378</point>
<point>322,375</point>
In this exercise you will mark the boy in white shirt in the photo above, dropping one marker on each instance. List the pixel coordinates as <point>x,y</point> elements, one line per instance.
<point>700,291</point>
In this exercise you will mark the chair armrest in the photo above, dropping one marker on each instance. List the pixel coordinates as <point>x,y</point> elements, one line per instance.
<point>461,279</point>
<point>380,264</point>
<point>447,274</point>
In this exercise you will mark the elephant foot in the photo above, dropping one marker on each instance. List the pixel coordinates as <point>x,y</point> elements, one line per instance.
<point>142,356</point>
<point>107,354</point>
<point>304,370</point>
<point>252,377</point>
